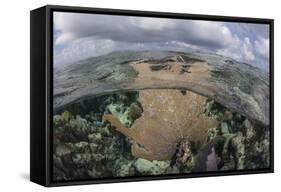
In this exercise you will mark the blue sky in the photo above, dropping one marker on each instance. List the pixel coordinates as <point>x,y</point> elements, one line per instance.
<point>79,36</point>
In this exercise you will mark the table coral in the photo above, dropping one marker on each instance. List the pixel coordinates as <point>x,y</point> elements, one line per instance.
<point>169,117</point>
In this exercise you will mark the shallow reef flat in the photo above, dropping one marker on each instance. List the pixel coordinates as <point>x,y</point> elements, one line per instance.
<point>154,132</point>
<point>237,86</point>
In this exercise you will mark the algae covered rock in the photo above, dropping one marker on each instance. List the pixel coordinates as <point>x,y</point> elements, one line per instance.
<point>135,111</point>
<point>239,141</point>
<point>146,167</point>
<point>84,149</point>
<point>120,112</point>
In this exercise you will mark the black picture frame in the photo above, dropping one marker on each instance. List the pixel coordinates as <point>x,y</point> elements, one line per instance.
<point>41,57</point>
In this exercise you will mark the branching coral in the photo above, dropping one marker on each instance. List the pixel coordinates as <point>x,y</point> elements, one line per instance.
<point>169,117</point>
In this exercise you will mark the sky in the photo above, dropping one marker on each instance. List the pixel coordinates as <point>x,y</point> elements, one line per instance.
<point>78,36</point>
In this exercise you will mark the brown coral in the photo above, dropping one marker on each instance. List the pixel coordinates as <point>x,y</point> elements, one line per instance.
<point>169,117</point>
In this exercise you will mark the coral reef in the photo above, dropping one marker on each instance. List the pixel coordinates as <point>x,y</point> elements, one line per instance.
<point>156,132</point>
<point>235,144</point>
<point>84,149</point>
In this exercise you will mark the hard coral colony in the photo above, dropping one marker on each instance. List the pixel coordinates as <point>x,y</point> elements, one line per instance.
<point>168,118</point>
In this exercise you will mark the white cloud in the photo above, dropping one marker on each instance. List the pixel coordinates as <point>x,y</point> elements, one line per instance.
<point>240,50</point>
<point>83,48</point>
<point>64,38</point>
<point>153,24</point>
<point>262,46</point>
<point>229,53</point>
<point>141,29</point>
<point>248,50</point>
<point>85,35</point>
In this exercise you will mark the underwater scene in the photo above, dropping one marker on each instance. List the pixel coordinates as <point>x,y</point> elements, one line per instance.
<point>146,96</point>
<point>153,132</point>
